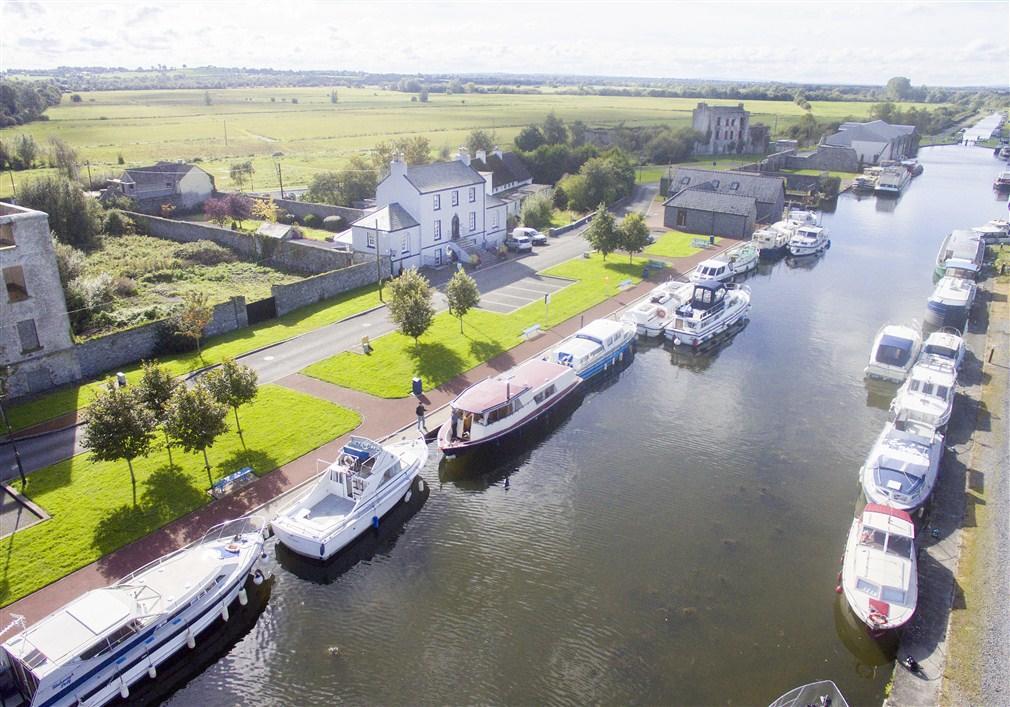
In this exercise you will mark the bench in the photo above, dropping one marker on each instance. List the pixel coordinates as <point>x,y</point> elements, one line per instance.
<point>531,331</point>
<point>232,482</point>
<point>624,284</point>
<point>700,243</point>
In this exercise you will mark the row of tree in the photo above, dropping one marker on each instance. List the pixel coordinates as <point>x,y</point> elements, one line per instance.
<point>410,305</point>
<point>24,101</point>
<point>122,422</point>
<point>606,235</point>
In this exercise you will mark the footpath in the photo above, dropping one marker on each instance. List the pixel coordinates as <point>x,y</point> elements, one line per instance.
<point>380,418</point>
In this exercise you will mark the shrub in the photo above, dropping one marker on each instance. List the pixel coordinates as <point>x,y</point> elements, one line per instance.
<point>116,223</point>
<point>74,217</point>
<point>203,253</point>
<point>169,341</point>
<point>125,286</point>
<point>69,261</point>
<point>284,217</point>
<point>311,220</point>
<point>537,210</point>
<point>121,202</point>
<point>334,223</point>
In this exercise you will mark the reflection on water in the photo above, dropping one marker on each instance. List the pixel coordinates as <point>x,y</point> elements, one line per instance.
<point>674,538</point>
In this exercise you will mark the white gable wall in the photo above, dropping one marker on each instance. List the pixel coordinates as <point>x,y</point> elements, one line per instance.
<point>195,187</point>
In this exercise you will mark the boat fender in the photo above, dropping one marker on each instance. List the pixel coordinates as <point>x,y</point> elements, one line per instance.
<point>124,689</point>
<point>676,341</point>
<point>375,522</point>
<point>406,496</point>
<point>243,596</point>
<point>258,577</point>
<point>877,619</point>
<point>420,485</point>
<point>224,613</point>
<point>838,589</point>
<point>190,640</point>
<point>152,672</point>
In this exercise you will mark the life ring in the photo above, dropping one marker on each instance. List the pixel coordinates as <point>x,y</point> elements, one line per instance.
<point>233,547</point>
<point>661,313</point>
<point>877,619</point>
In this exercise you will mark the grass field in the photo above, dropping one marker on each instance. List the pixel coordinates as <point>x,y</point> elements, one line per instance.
<point>675,244</point>
<point>443,352</point>
<point>250,225</point>
<point>314,135</point>
<point>91,503</point>
<point>229,345</point>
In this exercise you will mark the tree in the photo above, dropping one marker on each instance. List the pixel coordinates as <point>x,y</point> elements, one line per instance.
<point>240,172</point>
<point>423,95</point>
<point>555,132</point>
<point>413,150</point>
<point>239,207</point>
<point>333,96</point>
<point>480,139</point>
<point>324,188</point>
<point>463,295</point>
<point>560,198</point>
<point>155,390</point>
<point>75,98</point>
<point>537,210</point>
<point>119,426</point>
<point>65,158</point>
<point>410,303</point>
<point>216,210</point>
<point>358,180</point>
<point>73,217</point>
<point>633,234</point>
<point>266,209</point>
<point>193,318</point>
<point>194,420</point>
<point>232,384</point>
<point>578,131</point>
<point>26,150</point>
<point>601,233</point>
<point>898,88</point>
<point>530,138</point>
<point>206,98</point>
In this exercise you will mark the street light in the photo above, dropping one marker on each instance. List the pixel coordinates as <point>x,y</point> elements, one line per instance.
<point>7,427</point>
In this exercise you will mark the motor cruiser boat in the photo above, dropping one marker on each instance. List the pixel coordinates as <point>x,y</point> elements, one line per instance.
<point>946,344</point>
<point>927,395</point>
<point>960,244</point>
<point>893,180</point>
<point>808,240</point>
<point>1002,181</point>
<point>92,650</point>
<point>823,693</point>
<point>652,315</point>
<point>351,495</point>
<point>713,308</point>
<point>493,409</point>
<point>595,348</point>
<point>994,231</point>
<point>772,240</point>
<point>895,348</point>
<point>902,467</point>
<point>727,265</point>
<point>950,303</point>
<point>879,570</point>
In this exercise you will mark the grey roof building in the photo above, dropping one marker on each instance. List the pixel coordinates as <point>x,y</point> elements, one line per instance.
<point>767,192</point>
<point>442,175</point>
<point>876,140</point>
<point>183,185</point>
<point>702,209</point>
<point>389,219</point>
<point>506,169</point>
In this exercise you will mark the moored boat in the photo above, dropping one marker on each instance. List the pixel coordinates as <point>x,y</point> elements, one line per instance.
<point>996,230</point>
<point>595,348</point>
<point>913,166</point>
<point>808,240</point>
<point>1002,181</point>
<point>823,693</point>
<point>95,648</point>
<point>959,244</point>
<point>895,348</point>
<point>950,303</point>
<point>495,408</point>
<point>879,570</point>
<point>892,180</point>
<point>735,261</point>
<point>902,467</point>
<point>772,240</point>
<point>713,308</point>
<point>864,184</point>
<point>653,314</point>
<point>927,396</point>
<point>353,493</point>
<point>946,344</point>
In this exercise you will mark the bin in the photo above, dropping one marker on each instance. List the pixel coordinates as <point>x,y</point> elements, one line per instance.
<point>415,386</point>
<point>645,272</point>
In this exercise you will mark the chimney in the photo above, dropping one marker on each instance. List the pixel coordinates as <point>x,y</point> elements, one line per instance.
<point>482,156</point>
<point>497,152</point>
<point>398,168</point>
<point>463,156</point>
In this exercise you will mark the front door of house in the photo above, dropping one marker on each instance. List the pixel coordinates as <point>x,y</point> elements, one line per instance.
<point>455,227</point>
<point>438,256</point>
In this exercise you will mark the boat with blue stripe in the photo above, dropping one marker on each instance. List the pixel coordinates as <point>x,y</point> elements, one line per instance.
<point>595,348</point>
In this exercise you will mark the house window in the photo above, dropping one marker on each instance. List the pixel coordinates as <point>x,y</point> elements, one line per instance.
<point>14,276</point>
<point>681,217</point>
<point>473,221</point>
<point>455,198</point>
<point>473,194</point>
<point>28,335</point>
<point>437,202</point>
<point>718,121</point>
<point>6,235</point>
<point>494,219</point>
<point>371,239</point>
<point>438,230</point>
<point>405,244</point>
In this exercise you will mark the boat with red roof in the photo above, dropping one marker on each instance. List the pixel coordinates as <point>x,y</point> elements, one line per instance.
<point>495,408</point>
<point>878,571</point>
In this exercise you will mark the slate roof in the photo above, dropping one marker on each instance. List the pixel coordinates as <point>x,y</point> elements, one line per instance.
<point>762,188</point>
<point>704,198</point>
<point>442,175</point>
<point>490,201</point>
<point>280,231</point>
<point>389,219</point>
<point>504,170</point>
<point>158,174</point>
<point>873,131</point>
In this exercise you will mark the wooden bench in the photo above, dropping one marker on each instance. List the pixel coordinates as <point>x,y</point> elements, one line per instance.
<point>700,243</point>
<point>232,482</point>
<point>531,331</point>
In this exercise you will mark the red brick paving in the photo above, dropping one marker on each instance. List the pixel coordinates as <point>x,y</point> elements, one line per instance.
<point>380,417</point>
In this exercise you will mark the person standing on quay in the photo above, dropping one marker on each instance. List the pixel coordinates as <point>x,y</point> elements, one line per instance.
<point>422,426</point>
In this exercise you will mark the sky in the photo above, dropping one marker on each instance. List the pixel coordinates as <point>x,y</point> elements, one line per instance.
<point>932,43</point>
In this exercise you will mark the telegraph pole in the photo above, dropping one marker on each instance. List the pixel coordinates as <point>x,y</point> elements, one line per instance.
<point>14,191</point>
<point>225,133</point>
<point>91,183</point>
<point>280,179</point>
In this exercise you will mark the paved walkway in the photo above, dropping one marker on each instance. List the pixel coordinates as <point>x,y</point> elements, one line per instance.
<point>380,418</point>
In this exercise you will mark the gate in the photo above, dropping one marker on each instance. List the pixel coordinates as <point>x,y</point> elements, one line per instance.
<point>261,310</point>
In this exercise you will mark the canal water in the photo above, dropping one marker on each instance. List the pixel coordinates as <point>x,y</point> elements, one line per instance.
<point>674,539</point>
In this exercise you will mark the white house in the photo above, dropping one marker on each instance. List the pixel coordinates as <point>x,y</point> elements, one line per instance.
<point>430,214</point>
<point>184,185</point>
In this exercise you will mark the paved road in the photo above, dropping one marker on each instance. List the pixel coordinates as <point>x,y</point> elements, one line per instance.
<point>292,356</point>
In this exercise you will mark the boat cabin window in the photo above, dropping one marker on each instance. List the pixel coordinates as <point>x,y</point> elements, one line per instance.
<point>894,352</point>
<point>933,389</point>
<point>544,394</point>
<point>940,351</point>
<point>111,641</point>
<point>503,411</point>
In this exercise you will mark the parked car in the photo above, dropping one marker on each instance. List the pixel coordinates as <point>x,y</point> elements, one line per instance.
<point>535,236</point>
<point>519,244</point>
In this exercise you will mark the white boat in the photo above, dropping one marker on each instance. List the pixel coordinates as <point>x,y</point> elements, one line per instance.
<point>653,314</point>
<point>927,396</point>
<point>946,344</point>
<point>92,650</point>
<point>772,239</point>
<point>595,348</point>
<point>959,244</point>
<point>895,348</point>
<point>365,482</point>
<point>893,180</point>
<point>823,693</point>
<point>727,265</point>
<point>1002,181</point>
<point>902,466</point>
<point>996,230</point>
<point>878,570</point>
<point>950,303</point>
<point>808,240</point>
<point>493,409</point>
<point>713,308</point>
<point>864,184</point>
<point>913,166</point>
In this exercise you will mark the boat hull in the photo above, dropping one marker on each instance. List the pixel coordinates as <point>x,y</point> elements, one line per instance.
<point>697,338</point>
<point>799,251</point>
<point>944,314</point>
<point>889,374</point>
<point>607,361</point>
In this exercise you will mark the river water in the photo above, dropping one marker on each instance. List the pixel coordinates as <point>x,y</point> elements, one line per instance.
<point>674,539</point>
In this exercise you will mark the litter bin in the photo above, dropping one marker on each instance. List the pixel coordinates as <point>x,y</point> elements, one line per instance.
<point>415,386</point>
<point>645,272</point>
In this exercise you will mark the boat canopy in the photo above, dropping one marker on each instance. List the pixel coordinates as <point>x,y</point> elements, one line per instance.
<point>708,294</point>
<point>894,350</point>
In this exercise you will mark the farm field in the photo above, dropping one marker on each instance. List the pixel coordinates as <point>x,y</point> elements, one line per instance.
<point>300,129</point>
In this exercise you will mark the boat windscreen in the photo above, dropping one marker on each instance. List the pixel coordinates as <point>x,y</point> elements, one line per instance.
<point>894,351</point>
<point>940,351</point>
<point>899,476</point>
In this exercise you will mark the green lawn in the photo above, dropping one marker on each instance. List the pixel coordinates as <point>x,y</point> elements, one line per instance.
<point>564,217</point>
<point>91,503</point>
<point>675,244</point>
<point>443,352</point>
<point>215,350</point>
<point>250,225</point>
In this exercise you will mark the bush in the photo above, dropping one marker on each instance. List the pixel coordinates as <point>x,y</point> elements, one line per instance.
<point>69,261</point>
<point>117,223</point>
<point>311,220</point>
<point>335,224</point>
<point>203,253</point>
<point>284,217</point>
<point>168,340</point>
<point>125,286</point>
<point>74,217</point>
<point>537,210</point>
<point>121,202</point>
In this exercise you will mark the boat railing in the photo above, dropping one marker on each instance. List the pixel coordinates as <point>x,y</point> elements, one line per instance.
<point>824,692</point>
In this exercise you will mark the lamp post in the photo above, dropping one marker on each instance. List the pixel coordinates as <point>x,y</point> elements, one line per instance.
<point>4,372</point>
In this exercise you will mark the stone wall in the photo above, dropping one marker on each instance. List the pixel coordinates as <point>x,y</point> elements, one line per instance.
<point>708,223</point>
<point>301,209</point>
<point>311,290</point>
<point>187,232</point>
<point>827,157</point>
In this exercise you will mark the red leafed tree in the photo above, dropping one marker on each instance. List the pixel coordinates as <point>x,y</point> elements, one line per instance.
<point>216,210</point>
